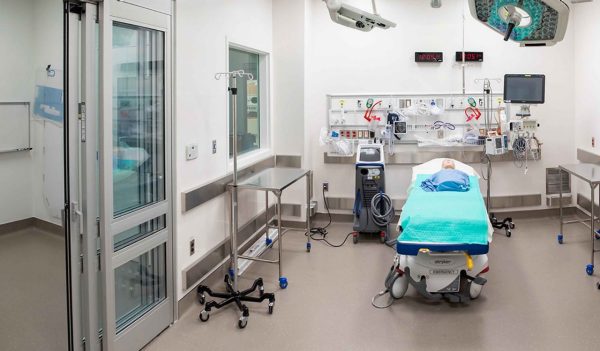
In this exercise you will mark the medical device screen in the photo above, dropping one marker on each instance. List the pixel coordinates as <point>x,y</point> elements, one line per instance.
<point>524,88</point>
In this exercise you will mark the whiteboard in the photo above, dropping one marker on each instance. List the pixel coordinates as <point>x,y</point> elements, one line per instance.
<point>14,126</point>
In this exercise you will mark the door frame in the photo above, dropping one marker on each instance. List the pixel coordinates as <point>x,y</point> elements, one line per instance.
<point>152,323</point>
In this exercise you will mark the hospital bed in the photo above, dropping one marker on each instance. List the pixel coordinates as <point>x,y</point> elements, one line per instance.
<point>444,240</point>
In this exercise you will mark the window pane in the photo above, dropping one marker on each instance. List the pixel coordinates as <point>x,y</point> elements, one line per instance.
<point>140,284</point>
<point>138,117</point>
<point>140,232</point>
<point>248,102</point>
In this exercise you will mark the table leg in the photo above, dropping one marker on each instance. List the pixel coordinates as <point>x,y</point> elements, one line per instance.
<point>590,267</point>
<point>268,240</point>
<point>560,206</point>
<point>308,226</point>
<point>282,280</point>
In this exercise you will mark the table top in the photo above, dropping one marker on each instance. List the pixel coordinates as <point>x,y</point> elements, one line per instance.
<point>272,179</point>
<point>588,172</point>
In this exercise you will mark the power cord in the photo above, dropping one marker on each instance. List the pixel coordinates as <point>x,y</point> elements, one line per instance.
<point>322,231</point>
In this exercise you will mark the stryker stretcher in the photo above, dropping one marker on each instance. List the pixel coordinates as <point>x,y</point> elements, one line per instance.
<point>444,240</point>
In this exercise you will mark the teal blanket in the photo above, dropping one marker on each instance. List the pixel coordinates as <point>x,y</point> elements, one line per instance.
<point>445,217</point>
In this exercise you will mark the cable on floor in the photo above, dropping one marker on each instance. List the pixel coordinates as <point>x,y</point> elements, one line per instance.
<point>322,231</point>
<point>380,294</point>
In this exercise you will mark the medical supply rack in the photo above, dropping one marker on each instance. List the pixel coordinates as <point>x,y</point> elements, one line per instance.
<point>589,173</point>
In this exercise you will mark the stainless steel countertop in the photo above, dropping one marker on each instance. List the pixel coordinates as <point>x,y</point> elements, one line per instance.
<point>588,172</point>
<point>272,179</point>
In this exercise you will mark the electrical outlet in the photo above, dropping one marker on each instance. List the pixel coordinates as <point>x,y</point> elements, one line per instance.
<point>192,247</point>
<point>325,186</point>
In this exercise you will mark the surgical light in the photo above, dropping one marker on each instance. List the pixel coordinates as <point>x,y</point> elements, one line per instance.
<point>352,17</point>
<point>529,22</point>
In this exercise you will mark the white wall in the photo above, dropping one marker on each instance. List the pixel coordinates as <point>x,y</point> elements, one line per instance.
<point>31,37</point>
<point>342,60</point>
<point>203,29</point>
<point>16,84</point>
<point>587,81</point>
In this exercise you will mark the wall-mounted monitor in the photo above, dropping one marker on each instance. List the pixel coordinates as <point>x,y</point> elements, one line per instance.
<point>525,88</point>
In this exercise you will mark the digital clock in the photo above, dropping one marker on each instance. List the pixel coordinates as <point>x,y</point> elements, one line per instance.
<point>470,56</point>
<point>429,57</point>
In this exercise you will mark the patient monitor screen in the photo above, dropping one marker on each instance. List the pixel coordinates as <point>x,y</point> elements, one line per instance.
<point>524,88</point>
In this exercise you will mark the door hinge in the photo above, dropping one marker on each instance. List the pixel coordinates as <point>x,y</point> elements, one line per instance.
<point>82,120</point>
<point>98,251</point>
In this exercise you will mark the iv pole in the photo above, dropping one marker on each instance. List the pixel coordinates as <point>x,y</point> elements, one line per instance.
<point>233,295</point>
<point>488,101</point>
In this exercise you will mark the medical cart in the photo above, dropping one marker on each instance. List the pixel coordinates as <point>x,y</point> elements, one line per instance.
<point>276,180</point>
<point>589,173</point>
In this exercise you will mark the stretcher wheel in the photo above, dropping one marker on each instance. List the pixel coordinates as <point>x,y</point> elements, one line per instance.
<point>475,289</point>
<point>589,269</point>
<point>399,286</point>
<point>560,238</point>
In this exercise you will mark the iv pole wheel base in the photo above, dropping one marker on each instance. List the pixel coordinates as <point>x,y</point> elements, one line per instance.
<point>283,282</point>
<point>560,238</point>
<point>243,322</point>
<point>202,299</point>
<point>204,316</point>
<point>589,269</point>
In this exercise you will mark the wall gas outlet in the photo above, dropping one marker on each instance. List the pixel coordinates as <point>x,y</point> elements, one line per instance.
<point>191,152</point>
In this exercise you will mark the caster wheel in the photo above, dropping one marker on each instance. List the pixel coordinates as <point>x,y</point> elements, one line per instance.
<point>598,285</point>
<point>230,273</point>
<point>589,269</point>
<point>204,316</point>
<point>512,225</point>
<point>399,286</point>
<point>261,290</point>
<point>271,304</point>
<point>508,233</point>
<point>597,234</point>
<point>308,247</point>
<point>242,322</point>
<point>269,242</point>
<point>283,282</point>
<point>560,238</point>
<point>202,299</point>
<point>355,238</point>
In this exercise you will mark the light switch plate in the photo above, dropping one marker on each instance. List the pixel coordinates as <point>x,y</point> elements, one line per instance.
<point>191,152</point>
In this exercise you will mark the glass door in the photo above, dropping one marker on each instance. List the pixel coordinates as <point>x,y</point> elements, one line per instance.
<point>135,175</point>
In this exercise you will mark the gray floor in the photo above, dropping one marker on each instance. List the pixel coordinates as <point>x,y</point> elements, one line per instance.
<point>538,298</point>
<point>32,292</point>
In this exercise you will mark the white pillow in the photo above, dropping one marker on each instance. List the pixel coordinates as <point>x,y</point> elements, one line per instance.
<point>435,165</point>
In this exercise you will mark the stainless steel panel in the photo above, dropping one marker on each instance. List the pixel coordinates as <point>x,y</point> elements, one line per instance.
<point>554,201</point>
<point>291,210</point>
<point>587,157</point>
<point>198,196</point>
<point>417,157</point>
<point>553,181</point>
<point>585,203</point>
<point>291,161</point>
<point>347,203</point>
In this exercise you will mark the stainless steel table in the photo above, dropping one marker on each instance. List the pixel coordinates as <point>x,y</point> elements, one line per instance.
<point>276,180</point>
<point>589,173</point>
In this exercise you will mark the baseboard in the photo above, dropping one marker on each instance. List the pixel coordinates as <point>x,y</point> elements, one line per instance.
<point>32,222</point>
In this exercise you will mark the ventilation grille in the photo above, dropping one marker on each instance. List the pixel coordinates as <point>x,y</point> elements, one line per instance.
<point>553,184</point>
